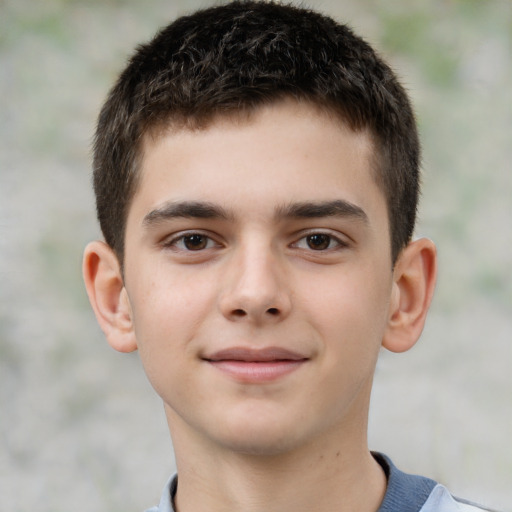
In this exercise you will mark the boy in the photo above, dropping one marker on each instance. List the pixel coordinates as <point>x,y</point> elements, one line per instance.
<point>256,176</point>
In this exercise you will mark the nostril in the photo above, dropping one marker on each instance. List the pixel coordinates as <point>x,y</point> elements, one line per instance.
<point>239,312</point>
<point>273,311</point>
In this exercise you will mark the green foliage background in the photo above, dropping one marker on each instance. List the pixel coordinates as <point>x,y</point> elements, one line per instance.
<point>79,426</point>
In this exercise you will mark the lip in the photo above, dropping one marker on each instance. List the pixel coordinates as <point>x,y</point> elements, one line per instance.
<point>249,365</point>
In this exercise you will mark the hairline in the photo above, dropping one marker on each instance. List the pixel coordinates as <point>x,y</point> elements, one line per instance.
<point>175,123</point>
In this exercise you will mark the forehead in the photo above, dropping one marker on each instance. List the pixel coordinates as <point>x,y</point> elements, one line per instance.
<point>278,154</point>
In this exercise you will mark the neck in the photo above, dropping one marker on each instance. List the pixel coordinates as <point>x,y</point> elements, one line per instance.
<point>326,476</point>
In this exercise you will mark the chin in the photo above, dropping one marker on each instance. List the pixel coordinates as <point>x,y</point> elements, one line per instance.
<point>260,447</point>
<point>259,440</point>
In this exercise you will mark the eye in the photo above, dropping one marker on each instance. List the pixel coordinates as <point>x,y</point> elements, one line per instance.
<point>319,242</point>
<point>195,242</point>
<point>192,242</point>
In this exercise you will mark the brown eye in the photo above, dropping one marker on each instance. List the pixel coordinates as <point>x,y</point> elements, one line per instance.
<point>318,242</point>
<point>195,242</point>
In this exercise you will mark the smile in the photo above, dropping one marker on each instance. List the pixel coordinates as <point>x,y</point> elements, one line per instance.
<point>256,365</point>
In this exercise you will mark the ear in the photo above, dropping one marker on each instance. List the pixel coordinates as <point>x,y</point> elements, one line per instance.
<point>108,296</point>
<point>414,279</point>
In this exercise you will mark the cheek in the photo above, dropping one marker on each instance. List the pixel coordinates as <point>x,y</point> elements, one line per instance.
<point>165,294</point>
<point>167,313</point>
<point>351,308</point>
<point>164,328</point>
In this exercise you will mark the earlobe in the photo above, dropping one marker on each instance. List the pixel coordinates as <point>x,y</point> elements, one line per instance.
<point>413,287</point>
<point>108,296</point>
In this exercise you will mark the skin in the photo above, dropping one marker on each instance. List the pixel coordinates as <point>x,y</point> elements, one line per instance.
<point>258,288</point>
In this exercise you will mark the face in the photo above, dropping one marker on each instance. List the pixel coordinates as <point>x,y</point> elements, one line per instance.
<point>259,278</point>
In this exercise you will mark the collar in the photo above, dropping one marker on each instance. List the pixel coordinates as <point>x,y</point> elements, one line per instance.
<point>404,493</point>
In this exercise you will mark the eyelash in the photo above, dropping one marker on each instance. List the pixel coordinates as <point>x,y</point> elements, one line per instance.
<point>334,242</point>
<point>179,242</point>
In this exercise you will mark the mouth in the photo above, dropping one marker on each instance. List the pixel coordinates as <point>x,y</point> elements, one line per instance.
<point>256,365</point>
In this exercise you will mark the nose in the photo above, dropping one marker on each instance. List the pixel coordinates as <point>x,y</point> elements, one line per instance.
<point>256,288</point>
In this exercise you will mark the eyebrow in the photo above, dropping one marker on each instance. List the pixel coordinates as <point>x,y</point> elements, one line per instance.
<point>311,210</point>
<point>185,209</point>
<point>300,210</point>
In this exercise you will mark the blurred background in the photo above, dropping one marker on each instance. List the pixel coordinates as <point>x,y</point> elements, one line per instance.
<point>80,428</point>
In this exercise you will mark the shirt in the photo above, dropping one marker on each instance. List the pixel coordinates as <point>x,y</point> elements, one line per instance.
<point>404,493</point>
